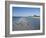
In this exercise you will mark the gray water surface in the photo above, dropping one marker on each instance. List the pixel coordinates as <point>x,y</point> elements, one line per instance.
<point>25,23</point>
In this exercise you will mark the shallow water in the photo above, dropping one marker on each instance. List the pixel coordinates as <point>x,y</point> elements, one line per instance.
<point>25,23</point>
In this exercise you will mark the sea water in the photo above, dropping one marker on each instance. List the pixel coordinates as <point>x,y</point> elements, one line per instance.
<point>32,23</point>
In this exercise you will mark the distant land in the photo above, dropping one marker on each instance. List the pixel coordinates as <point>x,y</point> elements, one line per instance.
<point>27,16</point>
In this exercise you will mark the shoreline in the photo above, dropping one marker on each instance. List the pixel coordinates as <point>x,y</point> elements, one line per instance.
<point>35,17</point>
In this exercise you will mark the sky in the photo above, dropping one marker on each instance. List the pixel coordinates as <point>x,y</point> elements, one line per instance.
<point>25,11</point>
